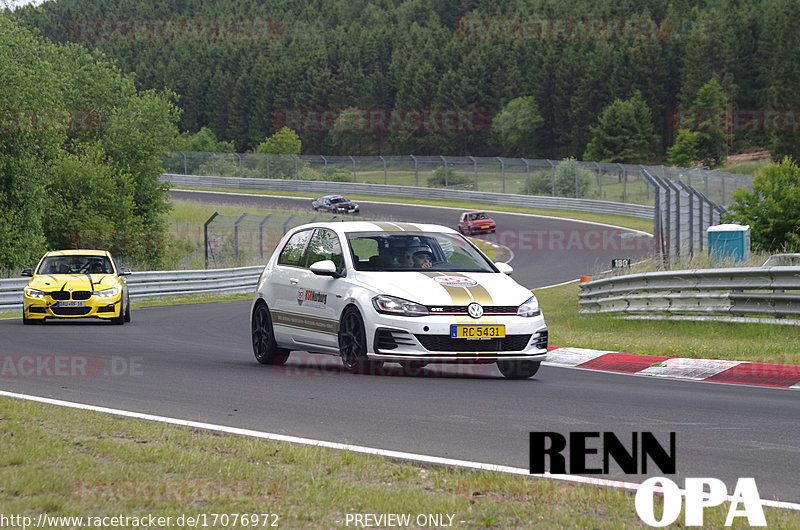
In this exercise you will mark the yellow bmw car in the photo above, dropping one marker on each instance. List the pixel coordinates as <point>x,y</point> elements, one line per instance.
<point>76,284</point>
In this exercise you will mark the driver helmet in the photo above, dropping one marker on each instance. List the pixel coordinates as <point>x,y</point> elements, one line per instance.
<point>415,249</point>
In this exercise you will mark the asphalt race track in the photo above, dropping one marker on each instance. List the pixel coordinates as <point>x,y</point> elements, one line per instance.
<point>546,250</point>
<point>195,362</point>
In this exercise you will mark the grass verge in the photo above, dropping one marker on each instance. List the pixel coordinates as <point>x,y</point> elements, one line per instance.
<point>698,340</point>
<point>66,462</point>
<point>644,225</point>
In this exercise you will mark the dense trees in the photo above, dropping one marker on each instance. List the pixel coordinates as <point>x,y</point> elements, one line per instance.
<point>474,54</point>
<point>772,209</point>
<point>79,152</point>
<point>624,133</point>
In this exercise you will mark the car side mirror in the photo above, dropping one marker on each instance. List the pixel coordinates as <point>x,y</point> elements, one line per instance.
<point>27,271</point>
<point>505,268</point>
<point>124,271</point>
<point>325,267</point>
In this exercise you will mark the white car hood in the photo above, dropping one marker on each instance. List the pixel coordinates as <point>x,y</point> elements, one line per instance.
<point>447,288</point>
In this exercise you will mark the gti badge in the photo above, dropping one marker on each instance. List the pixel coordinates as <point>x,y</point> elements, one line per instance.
<point>475,310</point>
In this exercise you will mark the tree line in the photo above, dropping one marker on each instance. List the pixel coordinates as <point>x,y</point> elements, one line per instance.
<point>613,80</point>
<point>79,152</point>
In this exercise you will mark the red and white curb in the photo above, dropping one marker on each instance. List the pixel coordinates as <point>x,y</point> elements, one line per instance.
<point>717,371</point>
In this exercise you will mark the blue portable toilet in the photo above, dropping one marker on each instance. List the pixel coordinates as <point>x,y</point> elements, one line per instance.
<point>729,241</point>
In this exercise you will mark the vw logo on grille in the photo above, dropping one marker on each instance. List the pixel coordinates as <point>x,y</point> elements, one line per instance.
<point>475,310</point>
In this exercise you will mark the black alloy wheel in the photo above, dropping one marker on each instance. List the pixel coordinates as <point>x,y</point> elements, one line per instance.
<point>265,349</point>
<point>353,344</point>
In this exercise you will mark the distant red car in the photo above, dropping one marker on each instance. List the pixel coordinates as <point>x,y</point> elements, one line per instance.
<point>476,223</point>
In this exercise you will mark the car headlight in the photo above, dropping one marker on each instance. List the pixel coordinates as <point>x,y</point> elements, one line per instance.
<point>33,293</point>
<point>107,293</point>
<point>392,305</point>
<point>529,308</point>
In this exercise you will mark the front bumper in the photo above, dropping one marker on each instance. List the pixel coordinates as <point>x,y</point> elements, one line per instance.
<point>477,229</point>
<point>427,339</point>
<point>95,307</point>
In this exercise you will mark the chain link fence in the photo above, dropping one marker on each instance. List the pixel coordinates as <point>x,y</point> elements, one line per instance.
<point>245,239</point>
<point>681,218</point>
<point>625,183</point>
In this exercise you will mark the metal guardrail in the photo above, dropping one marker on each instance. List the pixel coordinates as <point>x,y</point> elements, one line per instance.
<point>731,294</point>
<point>355,188</point>
<point>153,284</point>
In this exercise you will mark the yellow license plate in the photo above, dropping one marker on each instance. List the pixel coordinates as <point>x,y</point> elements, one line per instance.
<point>477,332</point>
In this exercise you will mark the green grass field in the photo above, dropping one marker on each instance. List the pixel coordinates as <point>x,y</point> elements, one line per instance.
<point>66,462</point>
<point>697,340</point>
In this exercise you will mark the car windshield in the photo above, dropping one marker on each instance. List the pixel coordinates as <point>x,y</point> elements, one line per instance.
<point>75,265</point>
<point>335,200</point>
<point>477,216</point>
<point>421,251</point>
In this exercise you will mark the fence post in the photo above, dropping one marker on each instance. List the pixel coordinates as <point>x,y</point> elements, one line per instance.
<point>553,177</point>
<point>475,166</point>
<point>527,176</point>
<point>446,179</point>
<point>185,167</point>
<point>691,224</point>
<point>700,215</point>
<point>296,169</point>
<point>205,236</point>
<point>385,179</point>
<point>236,236</point>
<point>502,172</point>
<point>599,179</point>
<point>325,174</point>
<point>624,175</point>
<point>354,167</point>
<point>416,170</point>
<point>268,175</point>
<point>577,165</point>
<point>286,222</point>
<point>240,163</point>
<point>261,235</point>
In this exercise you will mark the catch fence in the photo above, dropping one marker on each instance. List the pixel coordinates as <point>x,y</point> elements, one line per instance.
<point>625,183</point>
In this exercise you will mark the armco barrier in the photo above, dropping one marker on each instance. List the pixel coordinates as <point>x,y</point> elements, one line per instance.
<point>702,294</point>
<point>383,190</point>
<point>160,283</point>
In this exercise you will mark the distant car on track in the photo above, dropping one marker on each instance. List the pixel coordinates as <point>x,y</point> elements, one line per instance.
<point>76,284</point>
<point>335,204</point>
<point>394,292</point>
<point>476,223</point>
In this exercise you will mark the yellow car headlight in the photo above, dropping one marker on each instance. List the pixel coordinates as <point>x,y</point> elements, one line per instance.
<point>33,293</point>
<point>107,293</point>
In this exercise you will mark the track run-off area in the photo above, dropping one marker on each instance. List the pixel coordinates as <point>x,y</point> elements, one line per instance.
<point>194,362</point>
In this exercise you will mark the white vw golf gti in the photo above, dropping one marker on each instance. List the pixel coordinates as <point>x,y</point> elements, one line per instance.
<point>374,292</point>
